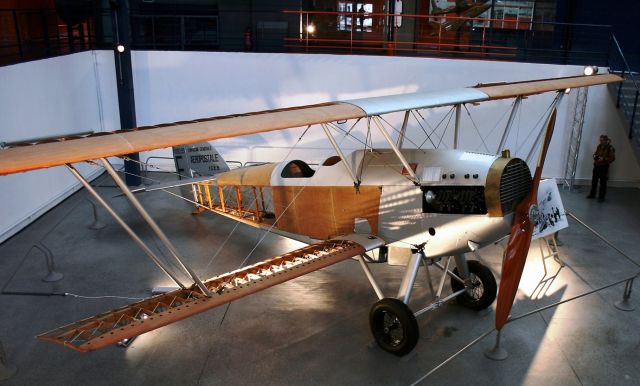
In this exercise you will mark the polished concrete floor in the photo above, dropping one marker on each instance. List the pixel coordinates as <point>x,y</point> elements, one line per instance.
<point>313,330</point>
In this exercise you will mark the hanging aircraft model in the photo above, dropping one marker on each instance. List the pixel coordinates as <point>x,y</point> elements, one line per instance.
<point>444,203</point>
<point>464,11</point>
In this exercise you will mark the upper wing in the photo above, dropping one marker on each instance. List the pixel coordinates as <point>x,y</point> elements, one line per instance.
<point>99,145</point>
<point>151,313</point>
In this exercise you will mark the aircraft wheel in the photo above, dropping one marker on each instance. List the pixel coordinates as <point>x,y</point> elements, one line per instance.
<point>483,290</point>
<point>394,326</point>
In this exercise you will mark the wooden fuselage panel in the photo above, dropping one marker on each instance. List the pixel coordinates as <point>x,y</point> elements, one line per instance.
<point>323,212</point>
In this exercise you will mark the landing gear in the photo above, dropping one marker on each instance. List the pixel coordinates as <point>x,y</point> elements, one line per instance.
<point>394,326</point>
<point>483,287</point>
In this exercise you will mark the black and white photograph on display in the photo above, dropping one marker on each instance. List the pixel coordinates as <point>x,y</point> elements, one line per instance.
<point>552,216</point>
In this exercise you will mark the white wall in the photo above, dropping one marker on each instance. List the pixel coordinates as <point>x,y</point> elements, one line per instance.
<point>51,97</point>
<point>77,93</point>
<point>172,86</point>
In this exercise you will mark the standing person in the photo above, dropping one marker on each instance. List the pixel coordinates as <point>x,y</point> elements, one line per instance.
<point>605,154</point>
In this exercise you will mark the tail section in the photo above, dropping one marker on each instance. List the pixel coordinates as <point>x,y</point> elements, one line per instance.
<point>198,160</point>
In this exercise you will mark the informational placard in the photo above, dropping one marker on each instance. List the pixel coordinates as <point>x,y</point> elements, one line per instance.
<point>552,216</point>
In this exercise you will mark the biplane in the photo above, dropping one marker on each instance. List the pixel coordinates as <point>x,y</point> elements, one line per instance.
<point>442,203</point>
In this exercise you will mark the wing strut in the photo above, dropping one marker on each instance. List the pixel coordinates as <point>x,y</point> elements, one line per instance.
<point>456,129</point>
<point>403,130</point>
<point>406,165</point>
<point>165,240</point>
<point>124,225</point>
<point>507,129</point>
<point>356,181</point>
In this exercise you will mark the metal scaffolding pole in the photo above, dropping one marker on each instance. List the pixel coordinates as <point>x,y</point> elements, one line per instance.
<point>573,151</point>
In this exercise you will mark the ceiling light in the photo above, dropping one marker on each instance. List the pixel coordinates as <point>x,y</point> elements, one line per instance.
<point>590,70</point>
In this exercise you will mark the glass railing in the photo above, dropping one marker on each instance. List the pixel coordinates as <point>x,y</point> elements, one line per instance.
<point>627,92</point>
<point>448,36</point>
<point>35,34</point>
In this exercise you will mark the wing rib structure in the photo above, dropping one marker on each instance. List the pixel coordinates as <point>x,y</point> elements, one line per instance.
<point>111,327</point>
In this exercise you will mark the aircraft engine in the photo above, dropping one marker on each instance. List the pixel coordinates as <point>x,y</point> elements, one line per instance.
<point>476,184</point>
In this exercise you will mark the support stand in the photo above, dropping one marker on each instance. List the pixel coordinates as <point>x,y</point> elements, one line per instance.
<point>52,275</point>
<point>625,304</point>
<point>548,249</point>
<point>6,371</point>
<point>497,353</point>
<point>96,224</point>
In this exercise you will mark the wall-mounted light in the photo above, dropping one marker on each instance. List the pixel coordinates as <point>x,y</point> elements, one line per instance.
<point>120,48</point>
<point>567,91</point>
<point>590,70</point>
<point>311,28</point>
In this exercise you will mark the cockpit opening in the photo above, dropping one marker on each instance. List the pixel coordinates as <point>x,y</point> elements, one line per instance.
<point>297,169</point>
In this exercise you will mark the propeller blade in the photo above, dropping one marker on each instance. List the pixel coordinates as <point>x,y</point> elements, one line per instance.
<point>517,249</point>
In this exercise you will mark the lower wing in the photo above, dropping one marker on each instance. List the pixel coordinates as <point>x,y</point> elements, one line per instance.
<point>154,312</point>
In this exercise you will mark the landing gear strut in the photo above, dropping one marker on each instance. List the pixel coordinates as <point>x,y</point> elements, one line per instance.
<point>394,325</point>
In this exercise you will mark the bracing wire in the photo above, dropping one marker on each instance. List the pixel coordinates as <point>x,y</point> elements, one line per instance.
<point>535,126</point>
<point>424,130</point>
<point>450,114</point>
<point>156,167</point>
<point>398,131</point>
<point>267,231</point>
<point>500,120</point>
<point>352,126</point>
<point>476,127</point>
<point>435,129</point>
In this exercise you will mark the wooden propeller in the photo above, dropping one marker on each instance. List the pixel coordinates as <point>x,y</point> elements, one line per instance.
<point>524,222</point>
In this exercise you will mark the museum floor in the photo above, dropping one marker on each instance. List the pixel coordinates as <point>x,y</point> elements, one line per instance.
<point>313,330</point>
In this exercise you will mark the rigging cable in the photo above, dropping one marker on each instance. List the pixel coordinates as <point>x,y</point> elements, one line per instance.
<point>543,116</point>
<point>435,129</point>
<point>424,130</point>
<point>476,127</point>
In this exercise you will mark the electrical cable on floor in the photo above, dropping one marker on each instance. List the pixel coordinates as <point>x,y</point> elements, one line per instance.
<point>33,293</point>
<point>101,297</point>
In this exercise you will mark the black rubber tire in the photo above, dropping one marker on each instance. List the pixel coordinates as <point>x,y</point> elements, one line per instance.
<point>394,326</point>
<point>484,291</point>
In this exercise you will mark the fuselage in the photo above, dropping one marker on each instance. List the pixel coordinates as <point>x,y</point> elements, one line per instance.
<point>461,200</point>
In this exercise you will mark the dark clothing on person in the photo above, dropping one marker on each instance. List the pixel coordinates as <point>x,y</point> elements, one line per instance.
<point>605,154</point>
<point>600,176</point>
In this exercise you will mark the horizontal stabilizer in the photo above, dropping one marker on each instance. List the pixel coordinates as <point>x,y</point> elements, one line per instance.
<point>146,315</point>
